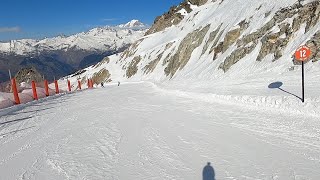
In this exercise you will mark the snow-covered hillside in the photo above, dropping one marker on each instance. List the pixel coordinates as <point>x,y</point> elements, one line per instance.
<point>97,39</point>
<point>221,39</point>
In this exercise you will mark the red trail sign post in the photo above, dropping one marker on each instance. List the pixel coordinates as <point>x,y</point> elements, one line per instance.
<point>303,54</point>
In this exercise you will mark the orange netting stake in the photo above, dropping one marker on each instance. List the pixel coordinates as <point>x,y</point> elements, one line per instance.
<point>46,87</point>
<point>91,83</point>
<point>69,85</point>
<point>34,90</point>
<point>56,86</point>
<point>79,85</point>
<point>15,91</point>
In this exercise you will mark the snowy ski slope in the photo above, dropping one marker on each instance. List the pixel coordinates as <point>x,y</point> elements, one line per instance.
<point>159,127</point>
<point>141,131</point>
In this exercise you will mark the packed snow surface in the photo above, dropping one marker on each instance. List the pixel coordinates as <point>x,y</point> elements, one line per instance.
<point>145,131</point>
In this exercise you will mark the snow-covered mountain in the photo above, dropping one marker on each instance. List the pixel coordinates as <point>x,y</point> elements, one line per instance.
<point>134,24</point>
<point>97,39</point>
<point>210,40</point>
<point>63,54</point>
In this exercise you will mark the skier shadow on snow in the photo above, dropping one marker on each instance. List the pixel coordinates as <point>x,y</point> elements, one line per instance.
<point>277,85</point>
<point>208,172</point>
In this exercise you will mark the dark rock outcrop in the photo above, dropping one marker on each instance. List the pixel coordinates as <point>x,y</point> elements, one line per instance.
<point>172,17</point>
<point>275,42</point>
<point>133,67</point>
<point>187,46</point>
<point>27,75</point>
<point>102,76</point>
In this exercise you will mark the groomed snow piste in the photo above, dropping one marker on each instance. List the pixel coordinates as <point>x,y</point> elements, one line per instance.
<point>143,131</point>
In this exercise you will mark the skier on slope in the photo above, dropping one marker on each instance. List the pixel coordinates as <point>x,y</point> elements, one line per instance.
<point>102,85</point>
<point>118,83</point>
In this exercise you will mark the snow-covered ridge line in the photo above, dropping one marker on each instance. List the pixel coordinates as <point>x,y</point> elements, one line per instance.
<point>100,38</point>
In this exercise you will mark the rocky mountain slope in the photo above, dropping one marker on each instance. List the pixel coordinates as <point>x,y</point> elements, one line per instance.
<point>61,55</point>
<point>204,40</point>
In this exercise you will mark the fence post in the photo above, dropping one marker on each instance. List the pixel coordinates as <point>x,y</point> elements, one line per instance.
<point>57,86</point>
<point>79,85</point>
<point>15,91</point>
<point>69,85</point>
<point>91,83</point>
<point>34,90</point>
<point>46,87</point>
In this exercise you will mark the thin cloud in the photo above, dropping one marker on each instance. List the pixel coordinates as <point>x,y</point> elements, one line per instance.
<point>10,29</point>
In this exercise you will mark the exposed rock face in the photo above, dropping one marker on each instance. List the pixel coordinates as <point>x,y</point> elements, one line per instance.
<point>152,65</point>
<point>187,46</point>
<point>314,45</point>
<point>166,20</point>
<point>198,2</point>
<point>131,50</point>
<point>236,56</point>
<point>27,75</point>
<point>172,17</point>
<point>230,38</point>
<point>105,60</point>
<point>102,76</point>
<point>133,67</point>
<point>273,42</point>
<point>212,37</point>
<point>214,47</point>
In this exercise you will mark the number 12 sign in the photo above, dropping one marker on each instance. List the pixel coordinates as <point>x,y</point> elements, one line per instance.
<point>303,53</point>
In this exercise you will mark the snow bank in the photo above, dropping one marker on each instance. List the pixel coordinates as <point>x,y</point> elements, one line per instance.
<point>285,104</point>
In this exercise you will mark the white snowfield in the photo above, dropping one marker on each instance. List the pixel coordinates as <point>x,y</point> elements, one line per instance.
<point>144,131</point>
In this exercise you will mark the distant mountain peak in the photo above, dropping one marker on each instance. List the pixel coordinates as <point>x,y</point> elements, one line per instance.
<point>133,24</point>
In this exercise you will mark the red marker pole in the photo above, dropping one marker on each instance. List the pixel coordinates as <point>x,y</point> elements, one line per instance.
<point>69,85</point>
<point>34,90</point>
<point>15,91</point>
<point>46,87</point>
<point>91,81</point>
<point>303,54</point>
<point>79,85</point>
<point>56,86</point>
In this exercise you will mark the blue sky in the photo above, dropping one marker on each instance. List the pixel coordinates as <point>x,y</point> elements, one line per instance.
<point>47,18</point>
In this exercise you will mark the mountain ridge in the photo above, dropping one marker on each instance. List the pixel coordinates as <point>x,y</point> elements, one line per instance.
<point>72,52</point>
<point>253,38</point>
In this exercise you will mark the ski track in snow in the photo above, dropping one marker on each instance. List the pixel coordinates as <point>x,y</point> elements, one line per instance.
<point>139,131</point>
